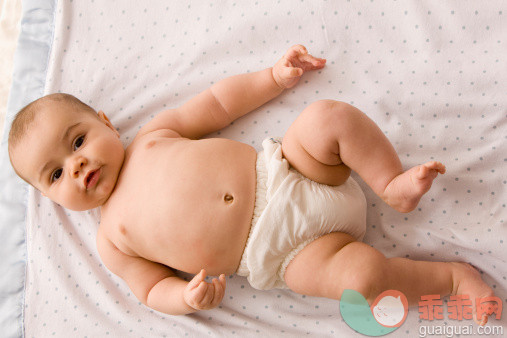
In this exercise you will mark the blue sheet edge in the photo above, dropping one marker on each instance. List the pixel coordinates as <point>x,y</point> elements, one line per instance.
<point>29,76</point>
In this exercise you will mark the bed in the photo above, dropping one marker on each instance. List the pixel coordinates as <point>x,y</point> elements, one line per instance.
<point>432,75</point>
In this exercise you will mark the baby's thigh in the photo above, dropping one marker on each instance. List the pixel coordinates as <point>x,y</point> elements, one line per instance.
<point>311,147</point>
<point>308,273</point>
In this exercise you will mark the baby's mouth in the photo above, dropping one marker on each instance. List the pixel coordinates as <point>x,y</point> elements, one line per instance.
<point>92,178</point>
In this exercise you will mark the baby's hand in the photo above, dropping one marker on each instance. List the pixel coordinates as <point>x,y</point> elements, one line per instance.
<point>204,296</point>
<point>293,64</point>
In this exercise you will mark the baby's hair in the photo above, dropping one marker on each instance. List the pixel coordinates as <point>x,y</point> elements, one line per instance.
<point>25,116</point>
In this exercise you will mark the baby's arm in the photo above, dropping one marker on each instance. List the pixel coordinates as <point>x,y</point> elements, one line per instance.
<point>240,94</point>
<point>235,96</point>
<point>156,285</point>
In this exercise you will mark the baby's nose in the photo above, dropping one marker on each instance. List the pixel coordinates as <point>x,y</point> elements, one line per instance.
<point>77,165</point>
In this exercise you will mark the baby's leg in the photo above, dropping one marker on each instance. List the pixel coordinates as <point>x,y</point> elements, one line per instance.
<point>335,262</point>
<point>329,137</point>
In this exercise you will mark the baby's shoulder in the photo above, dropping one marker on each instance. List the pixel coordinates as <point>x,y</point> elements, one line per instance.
<point>144,133</point>
<point>160,133</point>
<point>142,138</point>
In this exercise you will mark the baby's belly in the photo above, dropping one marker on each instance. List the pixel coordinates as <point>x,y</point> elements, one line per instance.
<point>192,208</point>
<point>188,237</point>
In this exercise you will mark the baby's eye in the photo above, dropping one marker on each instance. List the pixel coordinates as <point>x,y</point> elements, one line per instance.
<point>56,175</point>
<point>78,142</point>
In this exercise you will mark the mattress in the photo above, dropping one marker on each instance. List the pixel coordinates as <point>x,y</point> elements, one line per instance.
<point>432,75</point>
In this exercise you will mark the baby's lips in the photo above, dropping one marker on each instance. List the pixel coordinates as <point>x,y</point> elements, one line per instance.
<point>91,178</point>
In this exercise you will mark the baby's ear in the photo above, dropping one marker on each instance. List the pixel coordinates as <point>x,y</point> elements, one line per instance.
<point>108,123</point>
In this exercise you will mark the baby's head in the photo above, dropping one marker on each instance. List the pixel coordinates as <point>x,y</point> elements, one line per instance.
<point>67,150</point>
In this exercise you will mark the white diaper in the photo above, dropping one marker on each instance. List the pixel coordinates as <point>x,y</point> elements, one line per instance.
<point>290,212</point>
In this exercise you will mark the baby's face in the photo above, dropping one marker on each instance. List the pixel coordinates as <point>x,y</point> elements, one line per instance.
<point>73,158</point>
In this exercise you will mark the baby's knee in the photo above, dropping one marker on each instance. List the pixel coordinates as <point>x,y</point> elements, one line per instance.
<point>369,274</point>
<point>331,114</point>
<point>330,108</point>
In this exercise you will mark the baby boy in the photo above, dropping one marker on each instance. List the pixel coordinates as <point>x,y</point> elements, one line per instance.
<point>288,217</point>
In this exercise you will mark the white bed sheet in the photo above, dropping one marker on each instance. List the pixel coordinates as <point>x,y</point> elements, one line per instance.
<point>431,74</point>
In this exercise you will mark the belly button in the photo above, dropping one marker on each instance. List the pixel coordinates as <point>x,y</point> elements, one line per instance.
<point>228,198</point>
<point>123,230</point>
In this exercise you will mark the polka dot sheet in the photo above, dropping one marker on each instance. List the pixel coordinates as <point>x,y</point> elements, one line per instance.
<point>432,75</point>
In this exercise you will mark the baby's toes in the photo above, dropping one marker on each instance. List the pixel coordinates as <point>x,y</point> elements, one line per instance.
<point>425,172</point>
<point>437,166</point>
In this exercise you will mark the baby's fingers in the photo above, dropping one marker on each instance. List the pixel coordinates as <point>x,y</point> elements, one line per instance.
<point>222,280</point>
<point>199,293</point>
<point>214,293</point>
<point>295,51</point>
<point>206,297</point>
<point>196,280</point>
<point>291,72</point>
<point>219,291</point>
<point>194,296</point>
<point>310,62</point>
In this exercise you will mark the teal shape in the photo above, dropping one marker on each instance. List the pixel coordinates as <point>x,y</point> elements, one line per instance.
<point>357,314</point>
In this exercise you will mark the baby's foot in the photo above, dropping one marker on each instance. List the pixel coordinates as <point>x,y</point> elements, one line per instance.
<point>405,190</point>
<point>467,281</point>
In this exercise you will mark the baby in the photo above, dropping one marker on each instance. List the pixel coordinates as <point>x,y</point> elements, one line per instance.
<point>288,217</point>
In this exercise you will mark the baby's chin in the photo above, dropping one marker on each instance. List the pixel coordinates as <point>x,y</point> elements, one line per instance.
<point>83,205</point>
<point>80,206</point>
